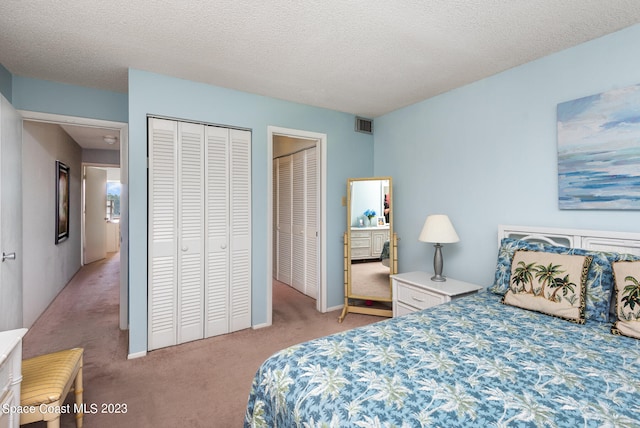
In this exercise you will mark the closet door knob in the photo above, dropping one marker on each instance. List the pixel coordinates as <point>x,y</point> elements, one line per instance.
<point>223,246</point>
<point>185,248</point>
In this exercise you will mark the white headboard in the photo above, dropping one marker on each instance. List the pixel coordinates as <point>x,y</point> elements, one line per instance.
<point>619,242</point>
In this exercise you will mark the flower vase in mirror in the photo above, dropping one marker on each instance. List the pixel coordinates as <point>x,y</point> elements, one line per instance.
<point>370,214</point>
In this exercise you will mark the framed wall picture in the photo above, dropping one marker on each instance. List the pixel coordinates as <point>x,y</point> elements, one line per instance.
<point>598,151</point>
<point>62,202</point>
<point>381,221</point>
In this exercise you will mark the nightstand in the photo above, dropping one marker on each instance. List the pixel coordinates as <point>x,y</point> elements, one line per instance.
<point>413,291</point>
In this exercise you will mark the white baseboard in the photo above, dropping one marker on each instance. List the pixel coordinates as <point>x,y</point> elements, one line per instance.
<point>137,355</point>
<point>263,325</point>
<point>335,308</point>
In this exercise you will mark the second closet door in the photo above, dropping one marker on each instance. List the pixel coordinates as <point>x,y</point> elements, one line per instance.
<point>297,224</point>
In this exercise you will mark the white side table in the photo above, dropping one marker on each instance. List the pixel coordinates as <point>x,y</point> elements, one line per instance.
<point>413,291</point>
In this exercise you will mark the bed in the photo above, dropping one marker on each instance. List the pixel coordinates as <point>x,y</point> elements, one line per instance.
<point>476,362</point>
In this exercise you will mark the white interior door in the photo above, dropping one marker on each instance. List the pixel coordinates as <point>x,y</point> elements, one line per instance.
<point>11,217</point>
<point>190,232</point>
<point>124,229</point>
<point>283,222</point>
<point>163,200</point>
<point>95,205</point>
<point>217,226</point>
<point>240,230</point>
<point>298,223</point>
<point>312,215</point>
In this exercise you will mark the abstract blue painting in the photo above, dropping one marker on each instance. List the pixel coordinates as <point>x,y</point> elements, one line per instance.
<point>599,151</point>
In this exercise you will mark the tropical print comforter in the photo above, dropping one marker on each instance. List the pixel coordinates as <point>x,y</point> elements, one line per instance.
<point>472,363</point>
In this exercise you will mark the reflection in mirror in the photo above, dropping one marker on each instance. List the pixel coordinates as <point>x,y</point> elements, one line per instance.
<point>370,248</point>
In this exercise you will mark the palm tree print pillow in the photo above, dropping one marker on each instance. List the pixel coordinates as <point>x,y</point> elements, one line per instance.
<point>553,284</point>
<point>600,282</point>
<point>627,298</point>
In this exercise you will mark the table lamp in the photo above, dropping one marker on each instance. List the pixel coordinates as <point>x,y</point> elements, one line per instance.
<point>438,230</point>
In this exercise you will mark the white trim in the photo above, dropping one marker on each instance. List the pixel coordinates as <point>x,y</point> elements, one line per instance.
<point>71,120</point>
<point>335,308</point>
<point>137,355</point>
<point>321,301</point>
<point>123,128</point>
<point>259,326</point>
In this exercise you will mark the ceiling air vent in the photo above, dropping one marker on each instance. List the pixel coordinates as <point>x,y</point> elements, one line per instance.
<point>364,125</point>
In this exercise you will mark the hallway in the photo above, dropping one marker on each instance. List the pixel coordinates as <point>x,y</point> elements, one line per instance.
<point>84,314</point>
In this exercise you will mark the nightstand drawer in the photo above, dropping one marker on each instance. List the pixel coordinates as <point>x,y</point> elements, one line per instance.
<point>420,299</point>
<point>413,291</point>
<point>402,309</point>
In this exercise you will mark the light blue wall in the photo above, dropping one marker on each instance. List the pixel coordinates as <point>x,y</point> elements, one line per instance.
<point>69,100</point>
<point>349,154</point>
<point>5,83</point>
<point>485,154</point>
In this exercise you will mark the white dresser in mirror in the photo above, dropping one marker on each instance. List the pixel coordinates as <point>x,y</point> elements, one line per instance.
<point>367,243</point>
<point>10,376</point>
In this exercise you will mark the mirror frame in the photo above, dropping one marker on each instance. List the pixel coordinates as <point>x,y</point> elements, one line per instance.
<point>349,295</point>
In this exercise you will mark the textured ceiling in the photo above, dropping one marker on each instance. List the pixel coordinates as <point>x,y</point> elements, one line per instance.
<point>366,57</point>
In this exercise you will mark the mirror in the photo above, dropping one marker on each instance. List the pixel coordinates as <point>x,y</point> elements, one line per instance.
<point>370,247</point>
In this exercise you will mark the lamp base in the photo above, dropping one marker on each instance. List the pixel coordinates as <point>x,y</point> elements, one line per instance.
<point>437,265</point>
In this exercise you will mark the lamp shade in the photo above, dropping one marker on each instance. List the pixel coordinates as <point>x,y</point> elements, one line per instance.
<point>438,229</point>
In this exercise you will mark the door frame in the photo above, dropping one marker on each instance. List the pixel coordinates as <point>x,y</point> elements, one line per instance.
<point>123,129</point>
<point>321,147</point>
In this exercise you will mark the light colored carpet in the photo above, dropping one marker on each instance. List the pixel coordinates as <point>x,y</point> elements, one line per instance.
<point>370,279</point>
<point>198,384</point>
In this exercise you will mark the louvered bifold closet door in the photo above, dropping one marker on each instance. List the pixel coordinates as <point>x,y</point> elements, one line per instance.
<point>311,214</point>
<point>217,225</point>
<point>274,225</point>
<point>284,219</point>
<point>191,235</point>
<point>162,146</point>
<point>240,228</point>
<point>298,223</point>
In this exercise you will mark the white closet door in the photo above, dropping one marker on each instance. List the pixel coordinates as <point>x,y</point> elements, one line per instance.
<point>298,223</point>
<point>190,231</point>
<point>199,231</point>
<point>311,217</point>
<point>284,219</point>
<point>217,220</point>
<point>240,228</point>
<point>162,233</point>
<point>274,228</point>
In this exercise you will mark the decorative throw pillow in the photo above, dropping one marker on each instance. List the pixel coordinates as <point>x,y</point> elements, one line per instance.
<point>627,298</point>
<point>508,247</point>
<point>553,284</point>
<point>599,279</point>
